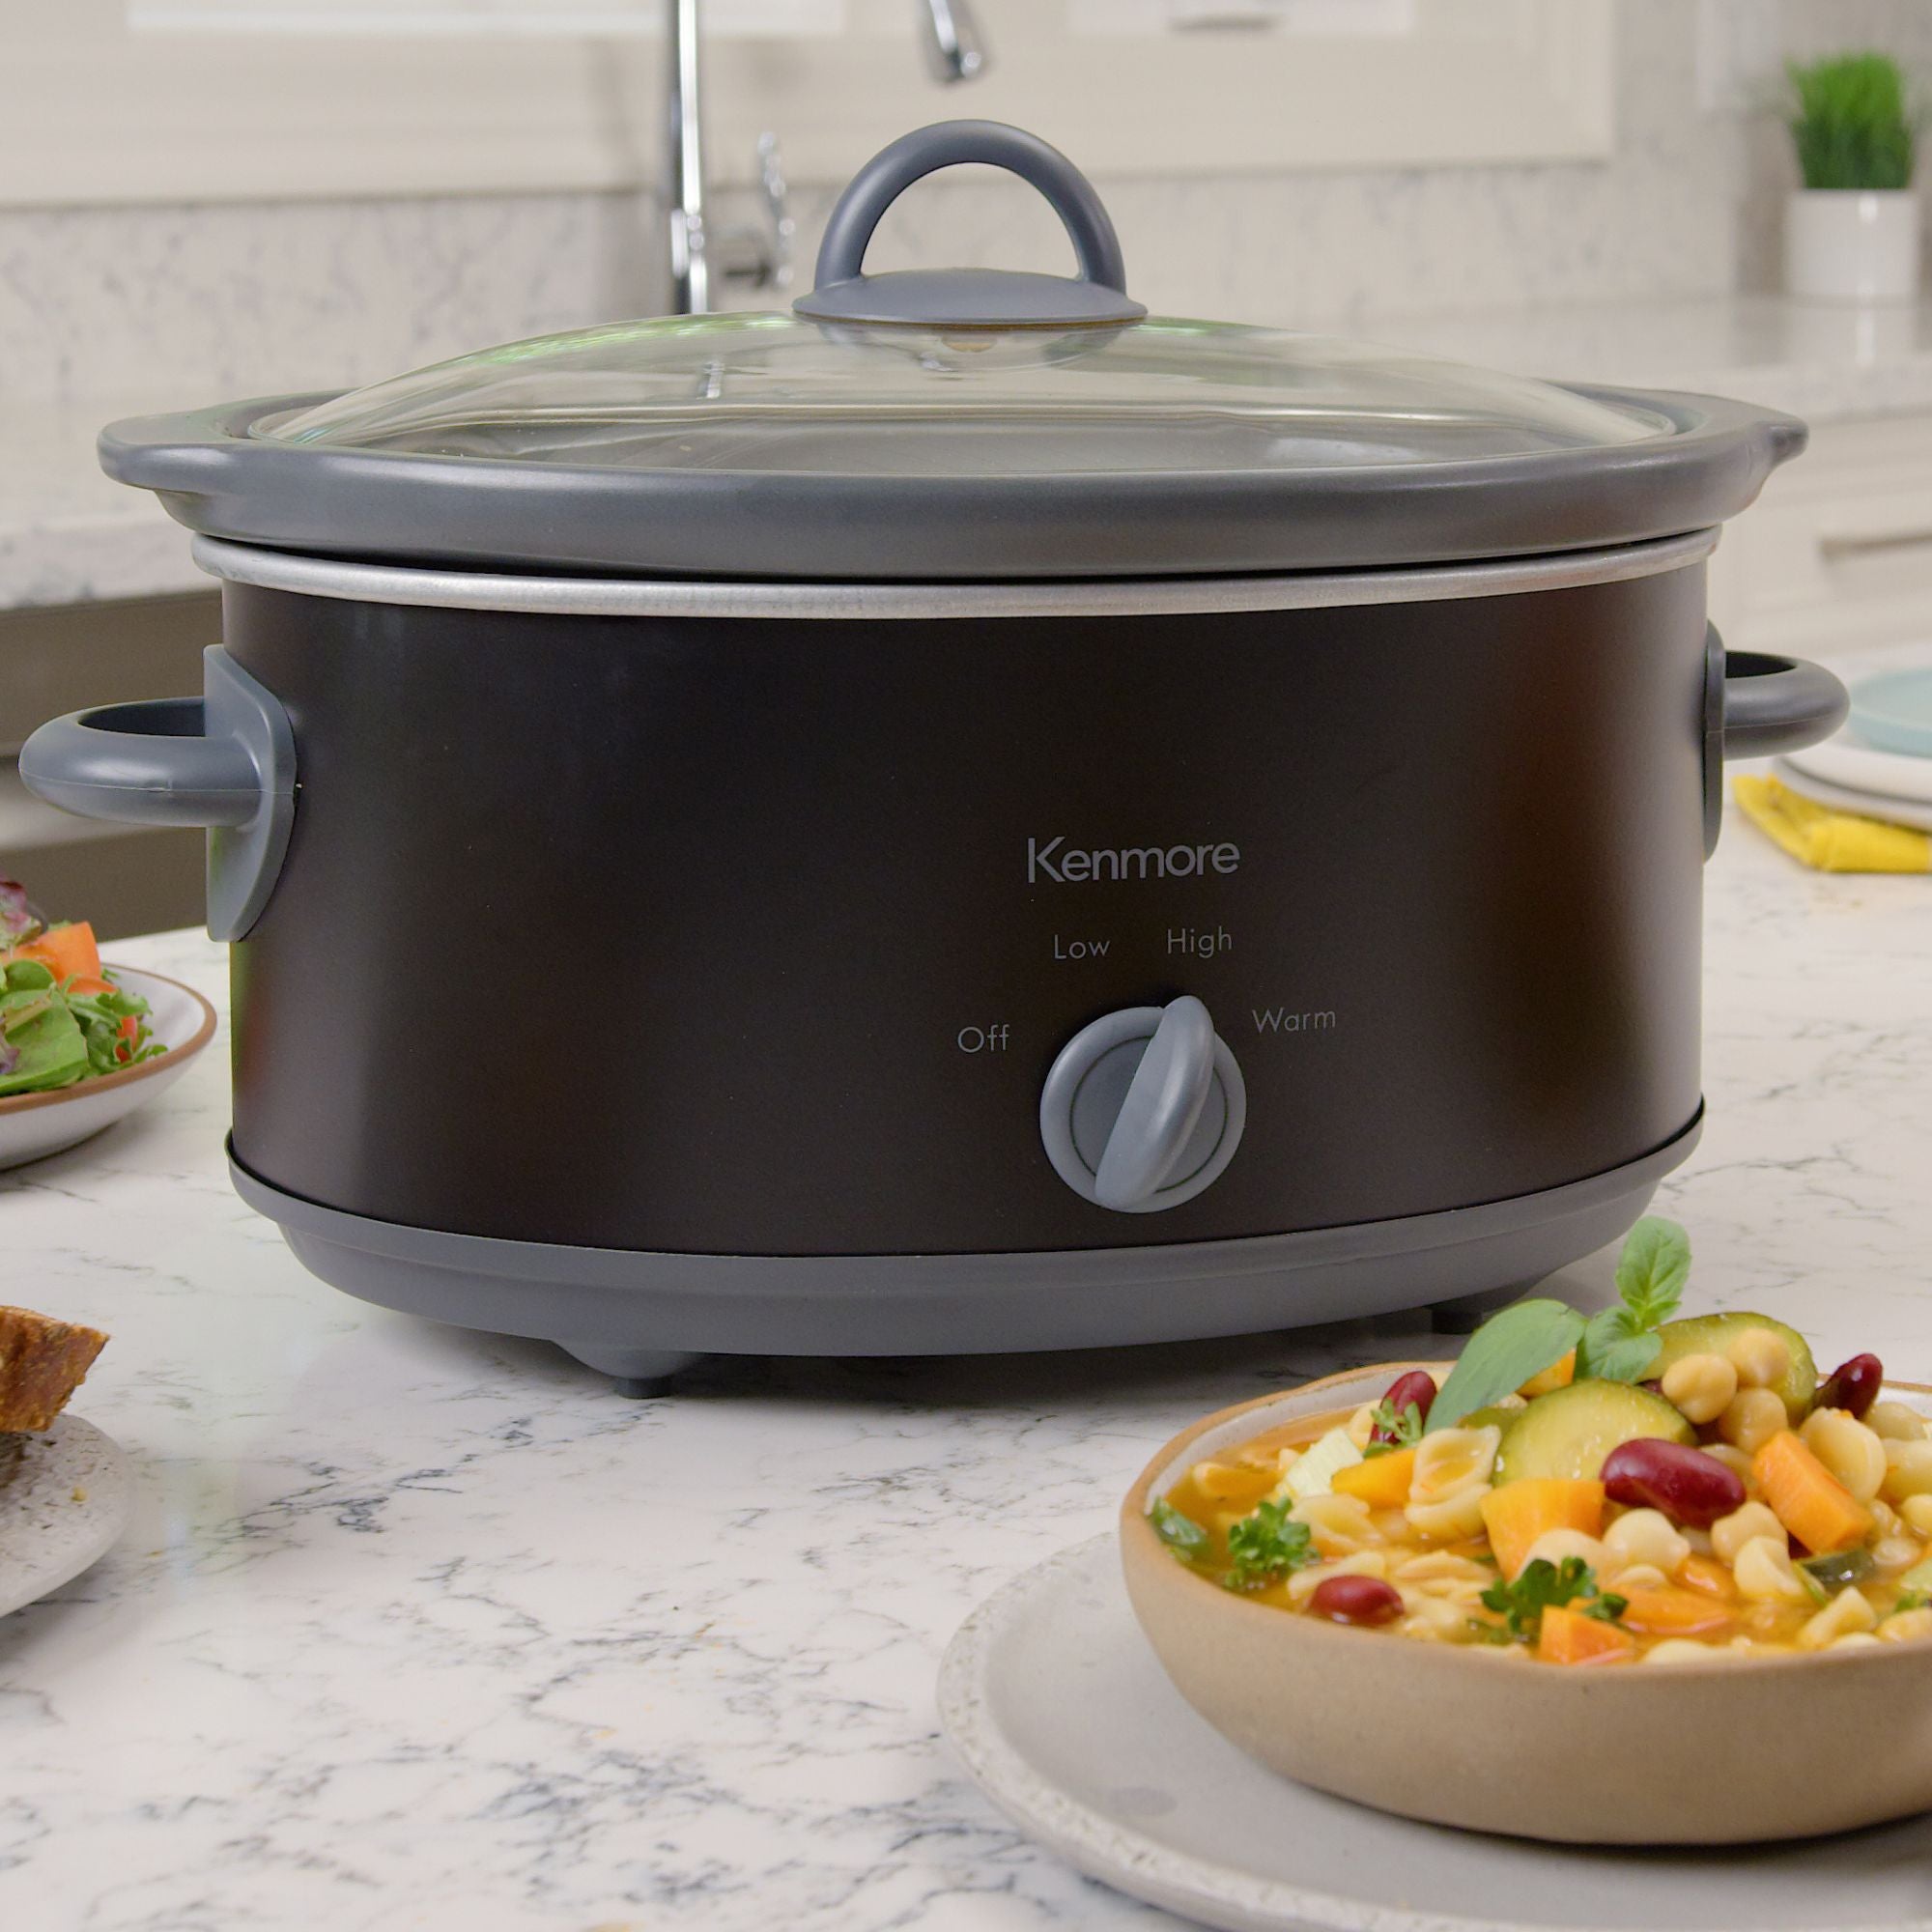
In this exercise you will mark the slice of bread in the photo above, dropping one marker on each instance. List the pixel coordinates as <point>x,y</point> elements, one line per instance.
<point>41,1363</point>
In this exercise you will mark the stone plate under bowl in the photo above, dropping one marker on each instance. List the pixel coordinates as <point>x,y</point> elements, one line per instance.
<point>35,1124</point>
<point>1065,1719</point>
<point>1700,1754</point>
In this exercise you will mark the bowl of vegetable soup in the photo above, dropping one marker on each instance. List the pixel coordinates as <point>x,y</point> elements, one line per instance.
<point>1636,1578</point>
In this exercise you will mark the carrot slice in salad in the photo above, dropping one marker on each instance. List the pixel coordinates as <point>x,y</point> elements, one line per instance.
<point>66,951</point>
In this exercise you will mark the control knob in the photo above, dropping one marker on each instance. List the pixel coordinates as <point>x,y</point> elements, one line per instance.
<point>1144,1108</point>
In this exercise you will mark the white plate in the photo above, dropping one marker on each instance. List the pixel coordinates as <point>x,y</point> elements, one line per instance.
<point>64,1496</point>
<point>34,1124</point>
<point>1052,1696</point>
<point>1858,768</point>
<point>1842,798</point>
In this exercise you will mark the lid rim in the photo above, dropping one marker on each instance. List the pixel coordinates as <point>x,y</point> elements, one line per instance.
<point>411,506</point>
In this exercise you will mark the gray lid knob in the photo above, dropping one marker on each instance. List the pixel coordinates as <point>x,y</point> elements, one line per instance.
<point>970,297</point>
<point>1144,1108</point>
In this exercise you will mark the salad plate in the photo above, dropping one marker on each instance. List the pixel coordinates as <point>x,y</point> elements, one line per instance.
<point>1059,1709</point>
<point>1893,712</point>
<point>65,1497</point>
<point>33,1126</point>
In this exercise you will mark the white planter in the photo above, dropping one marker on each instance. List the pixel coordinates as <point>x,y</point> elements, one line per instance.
<point>1851,246</point>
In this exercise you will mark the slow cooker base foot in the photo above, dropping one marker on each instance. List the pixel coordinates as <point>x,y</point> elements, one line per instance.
<point>1468,1311</point>
<point>638,1373</point>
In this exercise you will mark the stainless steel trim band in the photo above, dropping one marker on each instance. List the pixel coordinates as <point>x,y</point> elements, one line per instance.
<point>809,602</point>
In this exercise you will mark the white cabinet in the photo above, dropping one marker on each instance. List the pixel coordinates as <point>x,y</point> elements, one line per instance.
<point>1836,555</point>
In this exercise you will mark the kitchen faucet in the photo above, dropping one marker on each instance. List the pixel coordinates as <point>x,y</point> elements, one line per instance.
<point>762,258</point>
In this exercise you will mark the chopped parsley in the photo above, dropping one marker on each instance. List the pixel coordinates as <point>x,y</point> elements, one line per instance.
<point>1266,1546</point>
<point>1393,1431</point>
<point>1181,1533</point>
<point>1545,1585</point>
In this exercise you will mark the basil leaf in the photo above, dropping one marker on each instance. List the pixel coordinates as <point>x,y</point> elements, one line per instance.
<point>1652,1270</point>
<point>1613,1351</point>
<point>1512,1345</point>
<point>1181,1533</point>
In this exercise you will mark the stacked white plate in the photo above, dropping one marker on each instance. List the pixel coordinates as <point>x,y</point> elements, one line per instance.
<point>1849,774</point>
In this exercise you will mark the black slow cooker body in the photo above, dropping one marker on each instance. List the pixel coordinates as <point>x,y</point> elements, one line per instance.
<point>966,818</point>
<point>757,938</point>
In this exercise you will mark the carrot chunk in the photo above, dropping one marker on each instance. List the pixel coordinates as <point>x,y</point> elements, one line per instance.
<point>1379,1481</point>
<point>1708,1577</point>
<point>1558,1374</point>
<point>1517,1512</point>
<point>1806,1499</point>
<point>65,950</point>
<point>1569,1637</point>
<point>1673,1612</point>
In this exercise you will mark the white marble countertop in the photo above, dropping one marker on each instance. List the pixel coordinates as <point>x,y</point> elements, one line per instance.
<point>69,535</point>
<point>419,1629</point>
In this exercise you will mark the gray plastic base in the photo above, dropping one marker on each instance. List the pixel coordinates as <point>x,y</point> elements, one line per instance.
<point>640,1316</point>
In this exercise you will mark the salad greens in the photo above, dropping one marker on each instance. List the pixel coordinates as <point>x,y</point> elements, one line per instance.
<point>1620,1344</point>
<point>1546,1586</point>
<point>62,1018</point>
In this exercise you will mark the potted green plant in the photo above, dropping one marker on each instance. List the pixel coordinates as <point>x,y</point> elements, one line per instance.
<point>1852,233</point>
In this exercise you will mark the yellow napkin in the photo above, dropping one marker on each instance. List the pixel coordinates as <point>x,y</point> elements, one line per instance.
<point>1828,840</point>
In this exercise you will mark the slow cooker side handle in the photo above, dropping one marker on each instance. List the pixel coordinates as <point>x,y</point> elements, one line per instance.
<point>1757,705</point>
<point>225,760</point>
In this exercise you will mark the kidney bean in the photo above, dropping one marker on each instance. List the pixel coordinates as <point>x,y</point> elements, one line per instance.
<point>1417,1386</point>
<point>1853,1385</point>
<point>1356,1600</point>
<point>1686,1485</point>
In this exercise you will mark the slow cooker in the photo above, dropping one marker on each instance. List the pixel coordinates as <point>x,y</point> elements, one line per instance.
<point>964,816</point>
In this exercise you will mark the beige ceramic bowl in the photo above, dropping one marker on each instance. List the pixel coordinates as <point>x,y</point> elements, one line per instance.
<point>1696,1753</point>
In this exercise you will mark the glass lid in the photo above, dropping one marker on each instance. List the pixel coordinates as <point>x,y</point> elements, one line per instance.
<point>791,394</point>
<point>946,425</point>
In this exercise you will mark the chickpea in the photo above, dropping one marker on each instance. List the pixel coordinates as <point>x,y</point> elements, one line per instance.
<point>1908,1470</point>
<point>1701,1386</point>
<point>1917,1514</point>
<point>1730,1535</point>
<point>1644,1537</point>
<point>1906,1627</point>
<point>1754,1416</point>
<point>1554,1545</point>
<point>1761,1356</point>
<point>1852,1451</point>
<point>1895,1422</point>
<point>1897,1552</point>
<point>1767,1575</point>
<point>1734,1460</point>
<point>1847,1612</point>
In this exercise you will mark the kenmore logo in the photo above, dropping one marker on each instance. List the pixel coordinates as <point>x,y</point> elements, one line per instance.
<point>1072,867</point>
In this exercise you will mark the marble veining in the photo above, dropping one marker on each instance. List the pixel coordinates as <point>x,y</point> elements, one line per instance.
<point>419,1629</point>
